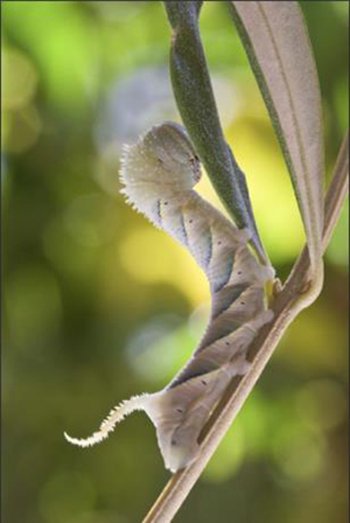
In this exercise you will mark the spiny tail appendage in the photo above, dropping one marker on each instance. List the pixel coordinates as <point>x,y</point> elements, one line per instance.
<point>116,415</point>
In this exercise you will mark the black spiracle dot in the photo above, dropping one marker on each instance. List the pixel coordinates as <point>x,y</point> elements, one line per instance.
<point>203,382</point>
<point>227,343</point>
<point>179,410</point>
<point>219,242</point>
<point>242,303</point>
<point>239,273</point>
<point>190,221</point>
<point>165,203</point>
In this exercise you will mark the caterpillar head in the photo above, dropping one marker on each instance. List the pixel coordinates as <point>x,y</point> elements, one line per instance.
<point>163,162</point>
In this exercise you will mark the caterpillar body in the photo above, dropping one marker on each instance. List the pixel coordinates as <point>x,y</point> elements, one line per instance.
<point>158,174</point>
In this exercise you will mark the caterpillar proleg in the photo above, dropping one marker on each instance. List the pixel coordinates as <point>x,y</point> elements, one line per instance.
<point>158,174</point>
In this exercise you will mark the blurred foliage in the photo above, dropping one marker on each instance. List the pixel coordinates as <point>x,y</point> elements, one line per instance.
<point>98,305</point>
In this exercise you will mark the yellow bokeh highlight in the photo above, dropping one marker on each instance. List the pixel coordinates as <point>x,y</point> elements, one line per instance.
<point>150,256</point>
<point>321,404</point>
<point>19,79</point>
<point>273,201</point>
<point>295,445</point>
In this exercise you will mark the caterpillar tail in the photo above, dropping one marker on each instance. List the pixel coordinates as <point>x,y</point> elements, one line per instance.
<point>116,415</point>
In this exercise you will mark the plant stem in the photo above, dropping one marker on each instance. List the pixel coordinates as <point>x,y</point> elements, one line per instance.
<point>337,192</point>
<point>286,306</point>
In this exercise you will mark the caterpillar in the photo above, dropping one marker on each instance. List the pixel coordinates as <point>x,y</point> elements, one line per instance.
<point>158,174</point>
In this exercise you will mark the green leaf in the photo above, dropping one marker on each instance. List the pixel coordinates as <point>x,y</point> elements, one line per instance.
<point>278,47</point>
<point>196,104</point>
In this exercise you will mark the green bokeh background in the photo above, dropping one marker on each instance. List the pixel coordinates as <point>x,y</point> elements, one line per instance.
<point>98,305</point>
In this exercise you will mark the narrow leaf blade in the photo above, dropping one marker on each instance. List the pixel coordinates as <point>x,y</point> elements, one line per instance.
<point>278,47</point>
<point>196,104</point>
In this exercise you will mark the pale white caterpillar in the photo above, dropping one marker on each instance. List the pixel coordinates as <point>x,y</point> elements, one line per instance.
<point>158,174</point>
